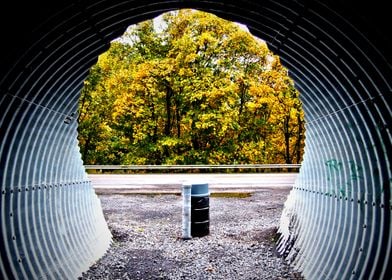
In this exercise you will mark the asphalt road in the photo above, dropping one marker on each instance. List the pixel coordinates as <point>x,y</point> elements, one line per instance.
<point>124,183</point>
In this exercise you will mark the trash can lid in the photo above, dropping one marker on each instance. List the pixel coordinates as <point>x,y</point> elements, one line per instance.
<point>200,189</point>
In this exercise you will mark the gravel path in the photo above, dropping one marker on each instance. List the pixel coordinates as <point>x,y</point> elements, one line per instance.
<point>147,241</point>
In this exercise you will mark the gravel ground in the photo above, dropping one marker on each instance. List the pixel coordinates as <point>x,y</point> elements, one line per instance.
<point>147,243</point>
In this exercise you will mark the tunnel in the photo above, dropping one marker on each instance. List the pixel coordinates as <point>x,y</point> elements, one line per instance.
<point>336,223</point>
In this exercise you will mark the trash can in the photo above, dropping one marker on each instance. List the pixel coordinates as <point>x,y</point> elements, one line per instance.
<point>186,212</point>
<point>200,210</point>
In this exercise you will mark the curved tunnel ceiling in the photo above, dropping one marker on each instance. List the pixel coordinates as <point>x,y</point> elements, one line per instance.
<point>337,219</point>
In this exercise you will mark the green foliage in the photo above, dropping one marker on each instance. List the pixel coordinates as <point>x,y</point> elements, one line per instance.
<point>200,91</point>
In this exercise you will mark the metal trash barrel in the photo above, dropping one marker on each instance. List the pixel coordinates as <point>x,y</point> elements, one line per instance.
<point>200,210</point>
<point>186,212</point>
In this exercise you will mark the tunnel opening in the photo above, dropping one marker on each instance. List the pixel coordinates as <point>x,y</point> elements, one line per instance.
<point>339,56</point>
<point>270,83</point>
<point>188,94</point>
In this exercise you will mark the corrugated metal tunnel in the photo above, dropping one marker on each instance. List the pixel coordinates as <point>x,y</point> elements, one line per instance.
<point>337,219</point>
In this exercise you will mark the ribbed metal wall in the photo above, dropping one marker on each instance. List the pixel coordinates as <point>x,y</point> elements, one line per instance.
<point>337,219</point>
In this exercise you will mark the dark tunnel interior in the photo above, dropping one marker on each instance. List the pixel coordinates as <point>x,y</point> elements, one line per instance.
<point>337,219</point>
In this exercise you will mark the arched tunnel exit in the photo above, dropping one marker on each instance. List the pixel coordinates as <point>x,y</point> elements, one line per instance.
<point>337,219</point>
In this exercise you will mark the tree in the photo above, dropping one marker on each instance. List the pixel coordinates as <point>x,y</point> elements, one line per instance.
<point>198,90</point>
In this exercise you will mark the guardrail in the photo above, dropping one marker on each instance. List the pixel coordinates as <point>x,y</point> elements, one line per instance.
<point>193,167</point>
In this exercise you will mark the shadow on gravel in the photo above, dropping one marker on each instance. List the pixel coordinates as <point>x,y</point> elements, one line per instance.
<point>118,235</point>
<point>267,236</point>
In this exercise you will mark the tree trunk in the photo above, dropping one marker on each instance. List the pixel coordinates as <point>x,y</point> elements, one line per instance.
<point>169,94</point>
<point>287,139</point>
<point>299,138</point>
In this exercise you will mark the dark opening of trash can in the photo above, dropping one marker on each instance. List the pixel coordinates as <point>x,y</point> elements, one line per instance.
<point>200,210</point>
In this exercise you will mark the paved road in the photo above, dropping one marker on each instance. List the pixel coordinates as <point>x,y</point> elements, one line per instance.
<point>107,183</point>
